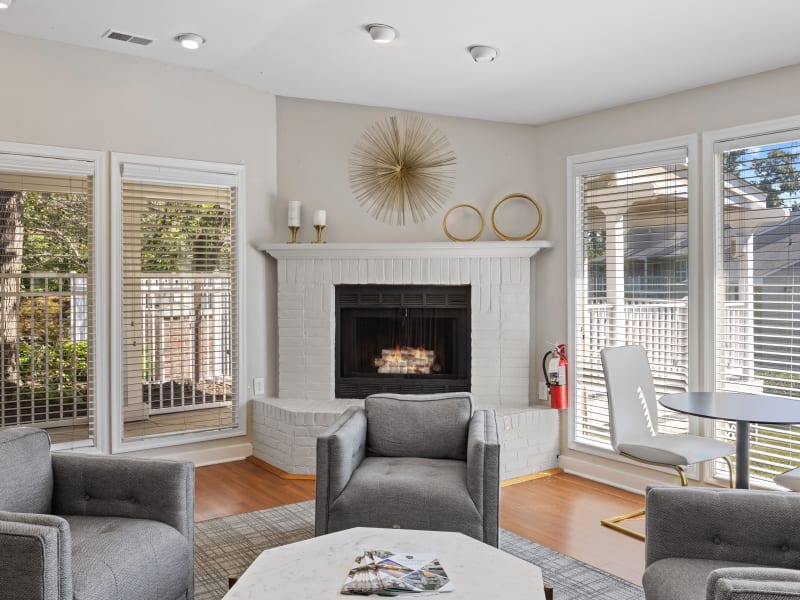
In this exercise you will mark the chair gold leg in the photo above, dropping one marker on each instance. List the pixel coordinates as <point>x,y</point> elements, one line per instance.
<point>614,523</point>
<point>682,475</point>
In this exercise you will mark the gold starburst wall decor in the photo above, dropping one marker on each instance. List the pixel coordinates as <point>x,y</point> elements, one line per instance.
<point>400,170</point>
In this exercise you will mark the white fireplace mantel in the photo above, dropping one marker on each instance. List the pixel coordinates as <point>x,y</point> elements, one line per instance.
<point>349,251</point>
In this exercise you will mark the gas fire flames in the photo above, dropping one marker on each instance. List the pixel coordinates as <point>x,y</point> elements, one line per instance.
<point>406,360</point>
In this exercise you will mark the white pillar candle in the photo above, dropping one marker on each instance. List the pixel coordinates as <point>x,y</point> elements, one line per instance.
<point>294,213</point>
<point>319,217</point>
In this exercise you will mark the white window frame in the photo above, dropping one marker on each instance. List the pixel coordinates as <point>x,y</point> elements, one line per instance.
<point>170,170</point>
<point>754,134</point>
<point>31,158</point>
<point>632,156</point>
<point>757,132</point>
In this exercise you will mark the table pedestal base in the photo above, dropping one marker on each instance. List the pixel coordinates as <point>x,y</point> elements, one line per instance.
<point>743,454</point>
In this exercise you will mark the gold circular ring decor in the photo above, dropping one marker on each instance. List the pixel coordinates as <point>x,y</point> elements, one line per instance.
<point>466,239</point>
<point>525,237</point>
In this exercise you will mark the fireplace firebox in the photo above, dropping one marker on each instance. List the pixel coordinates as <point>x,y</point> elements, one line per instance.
<point>413,339</point>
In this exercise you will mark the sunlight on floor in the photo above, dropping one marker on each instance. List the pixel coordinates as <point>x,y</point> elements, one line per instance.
<point>156,424</point>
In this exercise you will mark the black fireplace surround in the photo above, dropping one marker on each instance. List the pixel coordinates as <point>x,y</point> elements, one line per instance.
<point>412,339</point>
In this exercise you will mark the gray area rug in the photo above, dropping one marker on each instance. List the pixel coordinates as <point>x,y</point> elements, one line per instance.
<point>228,545</point>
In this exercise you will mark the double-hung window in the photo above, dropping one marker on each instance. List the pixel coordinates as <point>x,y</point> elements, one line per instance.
<point>173,298</point>
<point>639,260</point>
<point>51,349</point>
<point>630,252</point>
<point>753,176</point>
<point>177,305</point>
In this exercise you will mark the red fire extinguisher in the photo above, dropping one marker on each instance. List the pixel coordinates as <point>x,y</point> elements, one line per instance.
<point>555,375</point>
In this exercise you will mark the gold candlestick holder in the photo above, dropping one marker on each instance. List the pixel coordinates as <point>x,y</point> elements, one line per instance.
<point>319,229</point>
<point>293,229</point>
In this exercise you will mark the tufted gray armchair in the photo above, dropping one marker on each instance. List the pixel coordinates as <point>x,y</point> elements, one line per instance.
<point>721,544</point>
<point>411,461</point>
<point>77,527</point>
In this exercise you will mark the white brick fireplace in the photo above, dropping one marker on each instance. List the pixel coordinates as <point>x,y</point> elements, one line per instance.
<point>499,275</point>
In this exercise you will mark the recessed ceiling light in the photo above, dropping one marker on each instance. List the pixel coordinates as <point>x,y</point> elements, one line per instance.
<point>483,54</point>
<point>383,34</point>
<point>190,41</point>
<point>5,4</point>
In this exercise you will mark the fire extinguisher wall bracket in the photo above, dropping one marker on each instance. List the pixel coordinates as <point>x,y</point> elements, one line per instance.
<point>555,376</point>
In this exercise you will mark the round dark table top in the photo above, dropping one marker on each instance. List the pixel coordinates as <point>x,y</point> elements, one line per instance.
<point>736,406</point>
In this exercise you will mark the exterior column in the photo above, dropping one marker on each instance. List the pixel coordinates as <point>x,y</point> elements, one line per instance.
<point>615,276</point>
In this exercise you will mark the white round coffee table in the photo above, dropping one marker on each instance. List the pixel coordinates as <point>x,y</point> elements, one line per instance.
<point>315,569</point>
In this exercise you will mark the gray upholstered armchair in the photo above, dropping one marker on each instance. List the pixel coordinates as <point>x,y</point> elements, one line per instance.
<point>415,462</point>
<point>77,527</point>
<point>721,544</point>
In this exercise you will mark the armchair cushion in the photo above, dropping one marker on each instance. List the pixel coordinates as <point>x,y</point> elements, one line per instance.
<point>410,493</point>
<point>25,470</point>
<point>425,426</point>
<point>125,558</point>
<point>681,578</point>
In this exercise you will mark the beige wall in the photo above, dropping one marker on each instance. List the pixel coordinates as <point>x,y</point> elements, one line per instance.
<point>314,144</point>
<point>748,100</point>
<point>60,95</point>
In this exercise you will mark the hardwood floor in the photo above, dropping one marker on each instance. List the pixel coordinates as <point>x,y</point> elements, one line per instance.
<point>562,512</point>
<point>238,487</point>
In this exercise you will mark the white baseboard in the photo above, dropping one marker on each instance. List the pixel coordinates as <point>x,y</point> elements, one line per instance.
<point>201,456</point>
<point>609,475</point>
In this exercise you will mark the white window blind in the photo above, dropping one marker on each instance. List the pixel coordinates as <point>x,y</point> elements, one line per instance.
<point>47,297</point>
<point>180,321</point>
<point>757,299</point>
<point>631,278</point>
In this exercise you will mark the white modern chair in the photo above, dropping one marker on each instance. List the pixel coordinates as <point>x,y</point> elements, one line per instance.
<point>633,420</point>
<point>790,479</point>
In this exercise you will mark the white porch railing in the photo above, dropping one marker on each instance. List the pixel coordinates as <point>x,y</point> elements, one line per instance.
<point>661,328</point>
<point>657,326</point>
<point>44,375</point>
<point>43,363</point>
<point>187,357</point>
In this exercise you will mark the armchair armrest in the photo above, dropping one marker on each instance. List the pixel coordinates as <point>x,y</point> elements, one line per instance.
<point>36,559</point>
<point>721,524</point>
<point>105,486</point>
<point>746,583</point>
<point>340,449</point>
<point>483,471</point>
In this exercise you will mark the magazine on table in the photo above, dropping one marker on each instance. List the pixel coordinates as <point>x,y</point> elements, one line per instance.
<point>388,573</point>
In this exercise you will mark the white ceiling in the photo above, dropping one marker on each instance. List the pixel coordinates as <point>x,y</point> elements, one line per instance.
<point>557,59</point>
